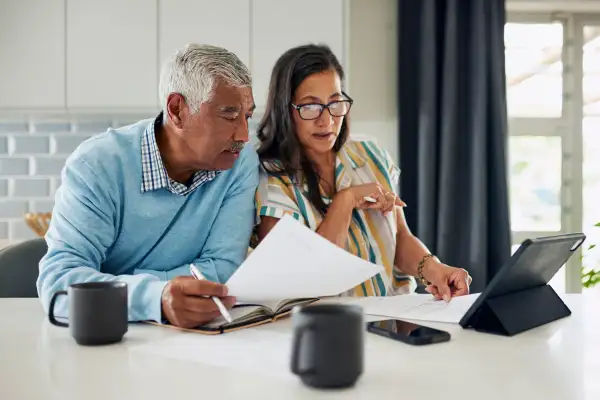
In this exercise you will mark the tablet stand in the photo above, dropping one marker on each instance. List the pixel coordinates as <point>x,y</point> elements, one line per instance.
<point>516,312</point>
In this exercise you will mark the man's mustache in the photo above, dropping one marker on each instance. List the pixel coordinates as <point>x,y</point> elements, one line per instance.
<point>237,146</point>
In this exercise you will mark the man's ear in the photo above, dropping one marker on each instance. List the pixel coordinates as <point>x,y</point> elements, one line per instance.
<point>176,108</point>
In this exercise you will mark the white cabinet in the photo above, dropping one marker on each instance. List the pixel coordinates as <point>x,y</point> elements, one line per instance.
<point>224,23</point>
<point>106,55</point>
<point>32,60</point>
<point>278,25</point>
<point>112,54</point>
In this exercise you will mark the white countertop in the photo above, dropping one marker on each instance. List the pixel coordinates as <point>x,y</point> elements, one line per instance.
<point>560,360</point>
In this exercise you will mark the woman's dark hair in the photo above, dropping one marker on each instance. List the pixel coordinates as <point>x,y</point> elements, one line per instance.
<point>276,130</point>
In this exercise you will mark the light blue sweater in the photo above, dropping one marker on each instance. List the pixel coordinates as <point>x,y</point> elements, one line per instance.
<point>105,228</point>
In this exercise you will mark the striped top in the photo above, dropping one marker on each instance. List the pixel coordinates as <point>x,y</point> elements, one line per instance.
<point>371,236</point>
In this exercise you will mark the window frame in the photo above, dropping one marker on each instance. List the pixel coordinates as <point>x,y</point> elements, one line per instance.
<point>568,127</point>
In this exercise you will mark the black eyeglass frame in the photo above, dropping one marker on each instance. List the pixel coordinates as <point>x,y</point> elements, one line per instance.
<point>347,99</point>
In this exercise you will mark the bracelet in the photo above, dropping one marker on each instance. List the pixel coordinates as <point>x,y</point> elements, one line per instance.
<point>420,276</point>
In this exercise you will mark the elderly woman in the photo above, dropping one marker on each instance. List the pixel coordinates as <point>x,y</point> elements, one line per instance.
<point>342,189</point>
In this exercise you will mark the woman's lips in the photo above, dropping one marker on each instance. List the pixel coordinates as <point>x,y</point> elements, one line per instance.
<point>323,135</point>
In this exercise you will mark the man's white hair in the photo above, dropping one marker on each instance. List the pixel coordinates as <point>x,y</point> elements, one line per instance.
<point>194,70</point>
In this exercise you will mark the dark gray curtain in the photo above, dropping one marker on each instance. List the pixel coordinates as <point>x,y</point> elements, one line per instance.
<point>452,123</point>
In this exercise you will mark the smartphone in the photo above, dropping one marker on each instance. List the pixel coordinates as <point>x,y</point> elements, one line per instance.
<point>408,332</point>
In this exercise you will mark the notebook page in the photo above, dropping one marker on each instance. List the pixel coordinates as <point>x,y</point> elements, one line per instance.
<point>238,314</point>
<point>293,261</point>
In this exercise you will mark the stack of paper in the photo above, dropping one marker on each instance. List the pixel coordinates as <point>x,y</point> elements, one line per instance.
<point>294,262</point>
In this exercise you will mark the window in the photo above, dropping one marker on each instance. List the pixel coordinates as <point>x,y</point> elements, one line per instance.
<point>591,141</point>
<point>535,171</point>
<point>534,69</point>
<point>553,94</point>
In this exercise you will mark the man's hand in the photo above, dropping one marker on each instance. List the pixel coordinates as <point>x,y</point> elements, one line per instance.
<point>186,305</point>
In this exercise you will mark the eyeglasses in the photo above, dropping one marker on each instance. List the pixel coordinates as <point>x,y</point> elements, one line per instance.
<point>337,108</point>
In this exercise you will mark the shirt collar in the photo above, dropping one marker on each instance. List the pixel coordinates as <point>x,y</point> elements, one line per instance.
<point>154,173</point>
<point>347,159</point>
<point>349,156</point>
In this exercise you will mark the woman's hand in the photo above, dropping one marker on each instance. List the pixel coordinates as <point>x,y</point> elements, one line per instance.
<point>445,281</point>
<point>384,201</point>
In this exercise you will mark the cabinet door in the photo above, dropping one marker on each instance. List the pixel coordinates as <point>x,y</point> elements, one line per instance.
<point>112,54</point>
<point>279,25</point>
<point>224,23</point>
<point>32,64</point>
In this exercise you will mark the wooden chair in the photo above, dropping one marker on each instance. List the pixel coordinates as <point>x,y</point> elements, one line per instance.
<point>38,222</point>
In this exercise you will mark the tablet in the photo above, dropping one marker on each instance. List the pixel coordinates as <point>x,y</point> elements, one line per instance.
<point>531,266</point>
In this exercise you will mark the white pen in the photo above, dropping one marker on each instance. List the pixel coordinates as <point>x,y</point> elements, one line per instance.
<point>370,199</point>
<point>198,275</point>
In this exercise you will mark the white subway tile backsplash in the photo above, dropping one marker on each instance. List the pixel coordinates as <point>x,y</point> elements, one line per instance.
<point>33,152</point>
<point>3,187</point>
<point>124,120</point>
<point>55,184</point>
<point>30,144</point>
<point>14,127</point>
<point>92,127</point>
<point>14,166</point>
<point>13,208</point>
<point>48,165</point>
<point>19,230</point>
<point>3,145</point>
<point>42,206</point>
<point>65,144</point>
<point>3,230</point>
<point>31,187</point>
<point>50,127</point>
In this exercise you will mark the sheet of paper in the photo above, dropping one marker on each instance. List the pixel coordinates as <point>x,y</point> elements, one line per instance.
<point>293,261</point>
<point>250,350</point>
<point>421,307</point>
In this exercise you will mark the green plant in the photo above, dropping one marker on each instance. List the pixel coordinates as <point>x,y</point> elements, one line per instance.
<point>590,276</point>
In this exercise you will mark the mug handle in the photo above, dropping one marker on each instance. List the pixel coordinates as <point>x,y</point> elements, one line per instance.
<point>301,330</point>
<point>53,320</point>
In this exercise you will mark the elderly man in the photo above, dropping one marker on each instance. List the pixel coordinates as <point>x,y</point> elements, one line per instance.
<point>140,203</point>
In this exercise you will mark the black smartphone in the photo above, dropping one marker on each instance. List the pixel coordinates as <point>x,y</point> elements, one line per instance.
<point>408,332</point>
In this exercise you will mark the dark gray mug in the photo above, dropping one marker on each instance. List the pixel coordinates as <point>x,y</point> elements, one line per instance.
<point>328,345</point>
<point>97,312</point>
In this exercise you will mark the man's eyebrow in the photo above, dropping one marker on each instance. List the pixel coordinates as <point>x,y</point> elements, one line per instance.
<point>229,109</point>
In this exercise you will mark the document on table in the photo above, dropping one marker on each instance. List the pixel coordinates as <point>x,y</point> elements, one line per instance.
<point>292,262</point>
<point>421,307</point>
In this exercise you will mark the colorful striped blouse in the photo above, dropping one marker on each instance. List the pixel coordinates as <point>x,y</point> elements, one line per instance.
<point>371,235</point>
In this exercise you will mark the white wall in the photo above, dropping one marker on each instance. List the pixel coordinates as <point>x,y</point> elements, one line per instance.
<point>372,71</point>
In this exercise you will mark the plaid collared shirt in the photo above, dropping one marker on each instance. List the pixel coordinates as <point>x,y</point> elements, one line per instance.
<point>154,173</point>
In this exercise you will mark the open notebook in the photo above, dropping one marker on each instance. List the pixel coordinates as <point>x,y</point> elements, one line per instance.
<point>246,315</point>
